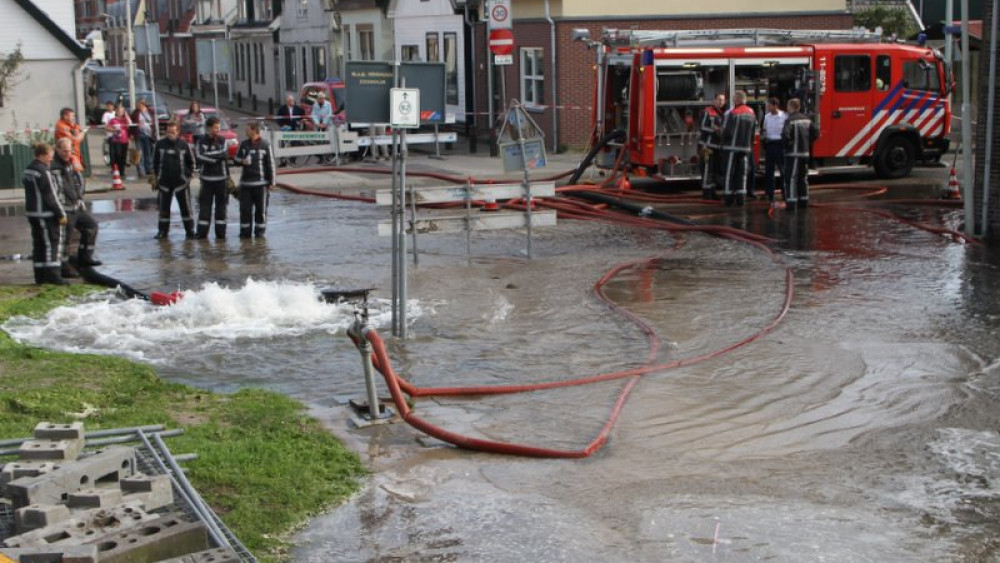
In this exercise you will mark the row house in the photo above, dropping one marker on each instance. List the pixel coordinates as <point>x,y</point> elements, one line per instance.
<point>50,76</point>
<point>253,44</point>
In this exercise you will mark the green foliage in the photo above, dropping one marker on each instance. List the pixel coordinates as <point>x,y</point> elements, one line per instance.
<point>10,71</point>
<point>263,464</point>
<point>893,20</point>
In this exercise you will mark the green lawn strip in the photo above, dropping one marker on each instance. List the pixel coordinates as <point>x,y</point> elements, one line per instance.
<point>263,464</point>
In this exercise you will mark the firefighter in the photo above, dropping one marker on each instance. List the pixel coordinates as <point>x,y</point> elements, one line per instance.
<point>709,144</point>
<point>212,157</point>
<point>738,130</point>
<point>798,135</point>
<point>71,188</point>
<point>256,180</point>
<point>45,215</point>
<point>173,166</point>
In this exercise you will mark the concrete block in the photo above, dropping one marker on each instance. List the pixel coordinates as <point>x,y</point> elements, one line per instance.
<point>51,450</point>
<point>153,491</point>
<point>53,431</point>
<point>217,555</point>
<point>95,498</point>
<point>63,554</point>
<point>36,516</point>
<point>106,467</point>
<point>155,540</point>
<point>18,469</point>
<point>84,525</point>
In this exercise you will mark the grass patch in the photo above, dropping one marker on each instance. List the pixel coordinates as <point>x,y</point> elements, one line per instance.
<point>263,464</point>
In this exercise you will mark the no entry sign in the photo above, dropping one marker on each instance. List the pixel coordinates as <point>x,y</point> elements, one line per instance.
<point>501,41</point>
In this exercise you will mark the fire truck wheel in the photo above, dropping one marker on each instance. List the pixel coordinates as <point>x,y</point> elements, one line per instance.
<point>896,158</point>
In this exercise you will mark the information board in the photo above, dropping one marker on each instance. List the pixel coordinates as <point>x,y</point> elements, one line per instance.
<point>429,79</point>
<point>368,84</point>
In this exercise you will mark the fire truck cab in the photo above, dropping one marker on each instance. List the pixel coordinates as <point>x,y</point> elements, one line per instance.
<point>876,104</point>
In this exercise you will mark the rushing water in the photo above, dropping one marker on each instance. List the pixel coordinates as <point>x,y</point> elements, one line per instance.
<point>863,428</point>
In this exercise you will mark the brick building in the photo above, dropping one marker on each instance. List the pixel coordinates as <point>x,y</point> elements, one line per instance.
<point>561,108</point>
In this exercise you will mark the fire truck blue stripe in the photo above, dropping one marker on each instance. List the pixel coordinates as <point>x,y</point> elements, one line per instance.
<point>888,97</point>
<point>930,101</point>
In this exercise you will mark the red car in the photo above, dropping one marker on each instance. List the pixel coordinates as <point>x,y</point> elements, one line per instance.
<point>227,132</point>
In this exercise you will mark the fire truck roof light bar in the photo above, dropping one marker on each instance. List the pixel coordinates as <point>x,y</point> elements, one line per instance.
<point>676,38</point>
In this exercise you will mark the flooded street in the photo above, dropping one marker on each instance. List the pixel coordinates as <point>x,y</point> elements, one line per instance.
<point>864,427</point>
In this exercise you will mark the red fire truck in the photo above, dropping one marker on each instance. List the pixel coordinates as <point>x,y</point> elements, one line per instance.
<point>876,103</point>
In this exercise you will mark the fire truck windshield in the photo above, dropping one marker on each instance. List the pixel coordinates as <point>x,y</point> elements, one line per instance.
<point>921,75</point>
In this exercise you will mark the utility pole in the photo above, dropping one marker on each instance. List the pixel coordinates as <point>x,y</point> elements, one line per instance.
<point>130,55</point>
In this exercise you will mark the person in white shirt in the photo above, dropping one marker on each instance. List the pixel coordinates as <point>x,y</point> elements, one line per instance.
<point>774,152</point>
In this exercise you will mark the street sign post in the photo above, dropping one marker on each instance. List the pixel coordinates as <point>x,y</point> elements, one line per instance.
<point>404,108</point>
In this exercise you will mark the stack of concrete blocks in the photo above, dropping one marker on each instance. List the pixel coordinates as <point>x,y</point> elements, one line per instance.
<point>93,509</point>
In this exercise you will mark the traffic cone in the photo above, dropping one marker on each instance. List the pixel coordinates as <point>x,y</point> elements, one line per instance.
<point>116,178</point>
<point>624,184</point>
<point>490,204</point>
<point>952,191</point>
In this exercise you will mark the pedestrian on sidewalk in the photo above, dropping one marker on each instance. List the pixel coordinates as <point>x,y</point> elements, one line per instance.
<point>142,120</point>
<point>68,128</point>
<point>71,189</point>
<point>173,166</point>
<point>45,215</point>
<point>212,158</point>
<point>194,121</point>
<point>117,127</point>
<point>256,181</point>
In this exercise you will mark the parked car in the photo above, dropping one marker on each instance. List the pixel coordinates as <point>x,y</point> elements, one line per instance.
<point>336,94</point>
<point>105,84</point>
<point>228,132</point>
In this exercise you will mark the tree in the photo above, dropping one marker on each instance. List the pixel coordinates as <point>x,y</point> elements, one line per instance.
<point>10,71</point>
<point>892,20</point>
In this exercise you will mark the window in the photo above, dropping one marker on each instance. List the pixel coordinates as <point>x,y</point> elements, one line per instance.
<point>451,68</point>
<point>303,9</point>
<point>305,65</point>
<point>532,77</point>
<point>319,63</point>
<point>883,72</point>
<point>921,75</point>
<point>291,81</point>
<point>433,48</point>
<point>366,41</point>
<point>347,43</point>
<point>409,53</point>
<point>256,64</point>
<point>852,73</point>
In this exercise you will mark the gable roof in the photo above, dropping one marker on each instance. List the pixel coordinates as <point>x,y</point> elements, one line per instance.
<point>74,46</point>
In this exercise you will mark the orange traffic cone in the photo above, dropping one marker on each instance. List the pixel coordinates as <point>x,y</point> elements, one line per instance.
<point>624,184</point>
<point>116,178</point>
<point>952,191</point>
<point>490,204</point>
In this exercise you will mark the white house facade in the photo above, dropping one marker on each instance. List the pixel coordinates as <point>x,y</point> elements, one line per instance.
<point>365,33</point>
<point>430,31</point>
<point>51,76</point>
<point>308,50</point>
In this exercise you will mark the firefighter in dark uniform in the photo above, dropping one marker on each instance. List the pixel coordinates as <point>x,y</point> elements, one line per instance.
<point>173,166</point>
<point>45,215</point>
<point>798,135</point>
<point>738,130</point>
<point>212,157</point>
<point>68,174</point>
<point>256,181</point>
<point>709,145</point>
